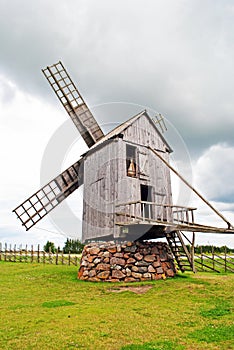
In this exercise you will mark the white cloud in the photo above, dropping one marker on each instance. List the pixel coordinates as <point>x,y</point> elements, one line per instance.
<point>175,56</point>
<point>214,173</point>
<point>213,179</point>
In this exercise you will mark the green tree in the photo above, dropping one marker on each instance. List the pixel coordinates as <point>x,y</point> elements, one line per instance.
<point>49,246</point>
<point>73,246</point>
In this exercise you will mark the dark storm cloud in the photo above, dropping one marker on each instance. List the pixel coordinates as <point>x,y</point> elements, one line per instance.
<point>174,56</point>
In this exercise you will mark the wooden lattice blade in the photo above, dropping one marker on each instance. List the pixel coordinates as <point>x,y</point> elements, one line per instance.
<point>49,196</point>
<point>73,103</point>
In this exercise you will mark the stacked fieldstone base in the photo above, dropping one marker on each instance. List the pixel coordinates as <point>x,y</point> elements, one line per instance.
<point>128,262</point>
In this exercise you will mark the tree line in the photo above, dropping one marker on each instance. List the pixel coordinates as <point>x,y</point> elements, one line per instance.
<point>210,248</point>
<point>73,246</point>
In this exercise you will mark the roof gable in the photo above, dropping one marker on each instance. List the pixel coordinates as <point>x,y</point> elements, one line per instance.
<point>144,123</point>
<point>122,127</point>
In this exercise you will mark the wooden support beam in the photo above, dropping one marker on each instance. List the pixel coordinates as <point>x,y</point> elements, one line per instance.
<point>191,187</point>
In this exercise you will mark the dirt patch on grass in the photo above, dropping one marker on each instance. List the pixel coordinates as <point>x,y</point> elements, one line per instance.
<point>137,290</point>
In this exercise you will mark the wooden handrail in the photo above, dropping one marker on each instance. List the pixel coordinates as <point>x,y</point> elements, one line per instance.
<point>156,204</point>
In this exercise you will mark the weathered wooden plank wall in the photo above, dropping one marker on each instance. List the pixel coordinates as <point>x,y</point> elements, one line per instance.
<point>106,182</point>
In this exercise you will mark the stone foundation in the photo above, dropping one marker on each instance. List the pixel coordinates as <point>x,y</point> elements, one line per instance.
<point>126,262</point>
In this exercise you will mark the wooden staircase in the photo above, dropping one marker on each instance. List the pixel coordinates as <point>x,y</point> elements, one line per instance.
<point>180,251</point>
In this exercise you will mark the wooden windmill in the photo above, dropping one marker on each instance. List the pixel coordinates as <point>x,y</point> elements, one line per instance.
<point>126,178</point>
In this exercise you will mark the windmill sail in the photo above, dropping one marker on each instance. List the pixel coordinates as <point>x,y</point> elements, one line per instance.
<point>49,196</point>
<point>73,102</point>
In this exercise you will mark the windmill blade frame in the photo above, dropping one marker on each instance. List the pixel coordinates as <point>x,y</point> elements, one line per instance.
<point>73,103</point>
<point>49,196</point>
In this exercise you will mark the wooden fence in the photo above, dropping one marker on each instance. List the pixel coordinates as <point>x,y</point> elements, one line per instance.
<point>221,262</point>
<point>36,255</point>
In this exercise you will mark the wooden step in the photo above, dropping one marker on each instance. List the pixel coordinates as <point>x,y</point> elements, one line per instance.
<point>177,246</point>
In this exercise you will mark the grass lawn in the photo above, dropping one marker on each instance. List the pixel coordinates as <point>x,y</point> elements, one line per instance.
<point>46,307</point>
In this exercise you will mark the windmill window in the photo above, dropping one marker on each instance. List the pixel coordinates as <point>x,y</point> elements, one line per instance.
<point>131,160</point>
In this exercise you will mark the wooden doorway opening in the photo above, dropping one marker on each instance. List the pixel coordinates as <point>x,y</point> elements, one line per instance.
<point>146,196</point>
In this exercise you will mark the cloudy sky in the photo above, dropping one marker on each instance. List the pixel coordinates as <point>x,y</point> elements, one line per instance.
<point>174,57</point>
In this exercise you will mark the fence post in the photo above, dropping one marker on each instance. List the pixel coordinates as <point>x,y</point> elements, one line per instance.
<point>20,253</point>
<point>50,255</point>
<point>32,253</point>
<point>225,258</point>
<point>56,261</point>
<point>5,256</point>
<point>10,253</point>
<point>69,258</point>
<point>62,260</point>
<point>26,253</point>
<point>213,260</point>
<point>202,259</point>
<point>15,253</point>
<point>38,253</point>
<point>0,251</point>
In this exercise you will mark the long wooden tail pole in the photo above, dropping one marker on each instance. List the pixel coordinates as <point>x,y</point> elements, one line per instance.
<point>191,187</point>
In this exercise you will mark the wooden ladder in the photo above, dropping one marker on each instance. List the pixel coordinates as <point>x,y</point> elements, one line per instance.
<point>180,251</point>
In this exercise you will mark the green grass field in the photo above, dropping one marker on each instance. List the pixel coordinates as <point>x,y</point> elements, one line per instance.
<point>46,307</point>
